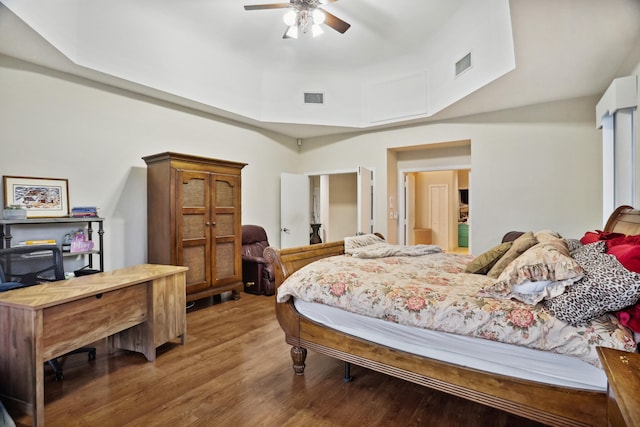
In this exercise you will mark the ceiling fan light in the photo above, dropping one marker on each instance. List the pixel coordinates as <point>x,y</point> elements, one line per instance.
<point>289,18</point>
<point>292,32</point>
<point>316,30</point>
<point>318,16</point>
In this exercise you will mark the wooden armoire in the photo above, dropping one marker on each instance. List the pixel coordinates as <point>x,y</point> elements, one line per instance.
<point>194,219</point>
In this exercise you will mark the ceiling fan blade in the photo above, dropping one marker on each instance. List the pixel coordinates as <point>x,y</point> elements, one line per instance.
<point>334,22</point>
<point>267,6</point>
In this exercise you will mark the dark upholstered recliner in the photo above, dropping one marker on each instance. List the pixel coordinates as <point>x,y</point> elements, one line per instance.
<point>257,274</point>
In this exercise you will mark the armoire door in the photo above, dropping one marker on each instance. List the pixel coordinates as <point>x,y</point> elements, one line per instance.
<point>227,265</point>
<point>194,227</point>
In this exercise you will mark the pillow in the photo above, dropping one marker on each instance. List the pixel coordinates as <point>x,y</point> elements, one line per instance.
<point>543,271</point>
<point>606,286</point>
<point>511,236</point>
<point>627,255</point>
<point>573,245</point>
<point>630,317</point>
<point>623,240</point>
<point>483,262</point>
<point>527,292</point>
<point>529,287</point>
<point>534,292</point>
<point>362,240</point>
<point>518,247</point>
<point>545,261</point>
<point>547,235</point>
<point>595,236</point>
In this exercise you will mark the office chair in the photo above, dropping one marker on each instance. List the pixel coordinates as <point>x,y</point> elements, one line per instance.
<point>22,266</point>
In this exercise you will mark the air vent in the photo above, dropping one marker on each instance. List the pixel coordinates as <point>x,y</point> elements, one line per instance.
<point>313,98</point>
<point>464,64</point>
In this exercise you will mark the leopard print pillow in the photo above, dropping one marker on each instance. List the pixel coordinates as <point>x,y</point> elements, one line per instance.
<point>573,245</point>
<point>606,286</point>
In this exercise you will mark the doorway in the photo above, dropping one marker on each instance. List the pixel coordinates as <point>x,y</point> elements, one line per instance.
<point>339,203</point>
<point>436,208</point>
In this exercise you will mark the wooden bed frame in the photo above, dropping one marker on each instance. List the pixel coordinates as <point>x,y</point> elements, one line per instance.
<point>552,405</point>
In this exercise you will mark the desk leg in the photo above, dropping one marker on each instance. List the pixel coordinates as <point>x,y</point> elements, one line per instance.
<point>37,359</point>
<point>166,317</point>
<point>21,366</point>
<point>138,338</point>
<point>38,410</point>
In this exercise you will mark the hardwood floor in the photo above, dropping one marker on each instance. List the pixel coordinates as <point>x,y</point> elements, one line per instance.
<point>235,370</point>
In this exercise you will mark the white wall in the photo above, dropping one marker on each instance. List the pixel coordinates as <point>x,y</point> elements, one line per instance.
<point>56,126</point>
<point>533,168</point>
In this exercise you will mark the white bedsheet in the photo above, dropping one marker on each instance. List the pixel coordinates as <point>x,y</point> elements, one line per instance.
<point>477,353</point>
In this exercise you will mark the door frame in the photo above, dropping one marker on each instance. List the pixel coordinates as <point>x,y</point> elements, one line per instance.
<point>324,197</point>
<point>402,202</point>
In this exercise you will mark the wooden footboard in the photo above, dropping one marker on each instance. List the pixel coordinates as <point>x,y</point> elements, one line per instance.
<point>552,405</point>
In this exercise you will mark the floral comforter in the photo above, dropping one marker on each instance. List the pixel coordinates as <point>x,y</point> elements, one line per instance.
<point>434,292</point>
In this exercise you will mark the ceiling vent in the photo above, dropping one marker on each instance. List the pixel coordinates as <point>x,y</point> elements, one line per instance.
<point>464,64</point>
<point>313,98</point>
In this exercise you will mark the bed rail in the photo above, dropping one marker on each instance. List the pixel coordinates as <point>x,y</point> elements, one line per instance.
<point>286,261</point>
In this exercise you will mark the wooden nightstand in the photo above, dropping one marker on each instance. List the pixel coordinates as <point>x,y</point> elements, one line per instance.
<point>623,394</point>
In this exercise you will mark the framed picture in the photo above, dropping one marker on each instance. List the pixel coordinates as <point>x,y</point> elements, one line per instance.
<point>42,197</point>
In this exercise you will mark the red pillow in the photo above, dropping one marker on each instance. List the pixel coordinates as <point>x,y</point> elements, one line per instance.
<point>594,236</point>
<point>630,317</point>
<point>628,255</point>
<point>624,240</point>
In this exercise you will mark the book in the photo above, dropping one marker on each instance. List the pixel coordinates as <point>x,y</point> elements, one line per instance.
<point>84,211</point>
<point>83,214</point>
<point>37,242</point>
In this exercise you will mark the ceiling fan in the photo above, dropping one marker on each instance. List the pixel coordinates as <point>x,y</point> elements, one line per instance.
<point>304,15</point>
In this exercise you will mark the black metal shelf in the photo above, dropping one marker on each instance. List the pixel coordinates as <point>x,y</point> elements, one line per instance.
<point>7,224</point>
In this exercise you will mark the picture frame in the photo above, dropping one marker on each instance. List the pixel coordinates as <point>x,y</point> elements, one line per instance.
<point>42,197</point>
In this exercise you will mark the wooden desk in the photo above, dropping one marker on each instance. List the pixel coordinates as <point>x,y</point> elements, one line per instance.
<point>139,308</point>
<point>623,391</point>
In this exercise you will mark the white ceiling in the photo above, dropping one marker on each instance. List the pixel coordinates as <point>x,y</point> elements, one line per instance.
<point>562,49</point>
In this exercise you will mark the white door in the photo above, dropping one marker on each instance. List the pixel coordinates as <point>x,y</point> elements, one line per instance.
<point>365,200</point>
<point>294,210</point>
<point>439,214</point>
<point>409,208</point>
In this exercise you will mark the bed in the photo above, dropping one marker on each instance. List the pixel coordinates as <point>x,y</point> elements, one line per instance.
<point>544,393</point>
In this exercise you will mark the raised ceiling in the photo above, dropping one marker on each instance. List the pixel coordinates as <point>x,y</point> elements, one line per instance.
<point>393,66</point>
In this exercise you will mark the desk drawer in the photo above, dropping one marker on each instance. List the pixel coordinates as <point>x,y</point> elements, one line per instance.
<point>77,323</point>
